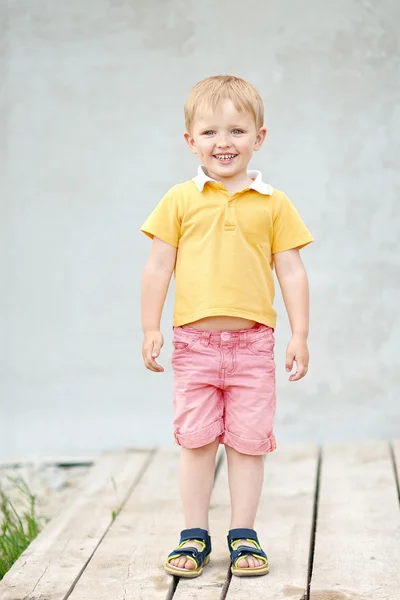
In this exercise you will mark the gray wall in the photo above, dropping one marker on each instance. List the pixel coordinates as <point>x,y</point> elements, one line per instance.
<point>91,138</point>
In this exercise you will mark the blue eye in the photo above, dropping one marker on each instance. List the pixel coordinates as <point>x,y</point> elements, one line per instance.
<point>237,131</point>
<point>208,132</point>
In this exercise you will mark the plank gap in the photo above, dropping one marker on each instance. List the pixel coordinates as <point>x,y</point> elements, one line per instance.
<point>227,583</point>
<point>395,467</point>
<point>172,587</point>
<point>314,521</point>
<point>127,496</point>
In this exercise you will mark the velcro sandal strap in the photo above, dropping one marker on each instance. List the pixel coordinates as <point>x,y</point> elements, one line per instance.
<point>243,551</point>
<point>196,533</point>
<point>188,551</point>
<point>242,533</point>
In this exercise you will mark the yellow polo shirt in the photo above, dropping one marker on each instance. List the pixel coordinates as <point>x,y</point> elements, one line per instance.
<point>225,246</point>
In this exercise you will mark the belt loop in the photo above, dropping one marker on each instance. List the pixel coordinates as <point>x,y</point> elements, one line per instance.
<point>206,335</point>
<point>242,339</point>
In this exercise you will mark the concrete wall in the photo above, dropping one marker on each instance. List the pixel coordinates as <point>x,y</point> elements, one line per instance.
<point>91,138</point>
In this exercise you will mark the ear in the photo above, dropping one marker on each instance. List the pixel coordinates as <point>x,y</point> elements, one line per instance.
<point>262,134</point>
<point>190,142</point>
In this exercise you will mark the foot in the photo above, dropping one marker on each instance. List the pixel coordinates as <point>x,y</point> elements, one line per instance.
<point>182,562</point>
<point>250,562</point>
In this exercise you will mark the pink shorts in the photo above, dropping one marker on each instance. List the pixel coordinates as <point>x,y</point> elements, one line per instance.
<point>225,387</point>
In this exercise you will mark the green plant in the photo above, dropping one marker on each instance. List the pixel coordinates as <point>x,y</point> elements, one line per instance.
<point>115,512</point>
<point>16,531</point>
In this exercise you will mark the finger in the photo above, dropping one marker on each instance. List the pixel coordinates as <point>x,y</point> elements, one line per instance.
<point>300,372</point>
<point>149,361</point>
<point>152,365</point>
<point>158,368</point>
<point>156,349</point>
<point>289,361</point>
<point>154,353</point>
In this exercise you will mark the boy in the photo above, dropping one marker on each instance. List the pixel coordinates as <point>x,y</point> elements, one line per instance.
<point>222,233</point>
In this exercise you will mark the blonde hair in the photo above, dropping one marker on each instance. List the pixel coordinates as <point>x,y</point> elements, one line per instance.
<point>213,90</point>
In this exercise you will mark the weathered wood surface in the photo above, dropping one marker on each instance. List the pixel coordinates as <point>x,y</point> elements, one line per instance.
<point>59,555</point>
<point>129,562</point>
<point>83,555</point>
<point>357,544</point>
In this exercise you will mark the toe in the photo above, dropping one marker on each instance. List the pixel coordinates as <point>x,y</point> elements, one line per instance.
<point>243,563</point>
<point>183,563</point>
<point>249,563</point>
<point>189,565</point>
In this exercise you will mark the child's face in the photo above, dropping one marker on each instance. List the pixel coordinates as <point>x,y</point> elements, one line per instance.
<point>225,140</point>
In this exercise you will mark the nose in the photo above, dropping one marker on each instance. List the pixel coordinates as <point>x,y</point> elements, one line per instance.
<point>223,142</point>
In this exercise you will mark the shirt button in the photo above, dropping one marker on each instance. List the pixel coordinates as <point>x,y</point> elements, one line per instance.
<point>225,336</point>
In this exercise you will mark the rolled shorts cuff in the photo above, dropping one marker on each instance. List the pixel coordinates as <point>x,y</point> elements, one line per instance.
<point>202,437</point>
<point>246,446</point>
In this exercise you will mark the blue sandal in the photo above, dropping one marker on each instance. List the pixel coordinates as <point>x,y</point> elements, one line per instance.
<point>238,552</point>
<point>199,557</point>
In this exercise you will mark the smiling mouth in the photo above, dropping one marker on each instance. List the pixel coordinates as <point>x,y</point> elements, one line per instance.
<point>225,157</point>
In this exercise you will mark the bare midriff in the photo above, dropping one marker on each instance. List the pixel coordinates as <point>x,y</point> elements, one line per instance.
<point>221,323</point>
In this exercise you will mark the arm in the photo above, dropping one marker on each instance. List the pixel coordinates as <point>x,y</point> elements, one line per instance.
<point>293,281</point>
<point>156,278</point>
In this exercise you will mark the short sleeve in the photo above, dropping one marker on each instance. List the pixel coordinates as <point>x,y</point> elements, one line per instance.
<point>164,221</point>
<point>289,231</point>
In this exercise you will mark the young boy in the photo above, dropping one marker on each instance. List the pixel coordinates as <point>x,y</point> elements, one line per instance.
<point>222,233</point>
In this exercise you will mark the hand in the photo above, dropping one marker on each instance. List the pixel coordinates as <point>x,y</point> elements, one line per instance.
<point>297,351</point>
<point>152,344</point>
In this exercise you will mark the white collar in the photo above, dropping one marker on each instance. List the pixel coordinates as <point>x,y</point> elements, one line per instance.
<point>258,184</point>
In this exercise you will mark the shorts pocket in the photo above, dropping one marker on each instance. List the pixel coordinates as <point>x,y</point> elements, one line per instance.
<point>263,346</point>
<point>183,347</point>
<point>180,345</point>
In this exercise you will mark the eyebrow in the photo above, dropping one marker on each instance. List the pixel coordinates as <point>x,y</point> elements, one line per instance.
<point>206,127</point>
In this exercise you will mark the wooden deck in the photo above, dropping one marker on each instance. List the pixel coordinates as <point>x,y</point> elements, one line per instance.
<point>329,520</point>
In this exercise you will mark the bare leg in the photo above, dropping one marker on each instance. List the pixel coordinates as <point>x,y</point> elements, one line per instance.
<point>196,477</point>
<point>246,475</point>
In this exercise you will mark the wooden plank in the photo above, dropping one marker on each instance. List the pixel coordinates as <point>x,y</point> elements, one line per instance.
<point>357,549</point>
<point>283,524</point>
<point>54,560</point>
<point>128,565</point>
